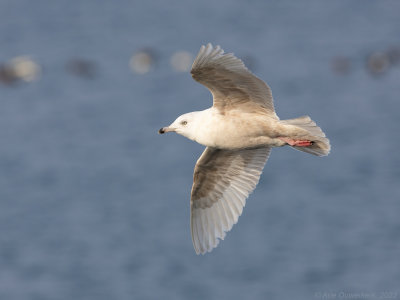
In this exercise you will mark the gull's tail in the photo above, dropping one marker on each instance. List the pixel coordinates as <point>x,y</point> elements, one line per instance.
<point>308,130</point>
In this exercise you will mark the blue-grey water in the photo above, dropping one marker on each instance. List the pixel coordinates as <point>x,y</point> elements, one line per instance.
<point>94,204</point>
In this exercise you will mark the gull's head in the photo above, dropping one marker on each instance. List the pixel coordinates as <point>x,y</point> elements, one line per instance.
<point>184,125</point>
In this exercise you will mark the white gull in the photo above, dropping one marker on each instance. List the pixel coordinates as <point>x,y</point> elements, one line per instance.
<point>239,131</point>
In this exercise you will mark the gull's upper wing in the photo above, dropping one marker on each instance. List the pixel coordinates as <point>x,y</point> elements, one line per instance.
<point>222,181</point>
<point>230,82</point>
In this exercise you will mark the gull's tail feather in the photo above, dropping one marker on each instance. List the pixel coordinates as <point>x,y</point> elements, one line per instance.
<point>309,130</point>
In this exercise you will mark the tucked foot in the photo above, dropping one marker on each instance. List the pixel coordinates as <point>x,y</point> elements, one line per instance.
<point>296,143</point>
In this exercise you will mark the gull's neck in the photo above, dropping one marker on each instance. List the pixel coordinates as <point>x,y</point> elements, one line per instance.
<point>204,125</point>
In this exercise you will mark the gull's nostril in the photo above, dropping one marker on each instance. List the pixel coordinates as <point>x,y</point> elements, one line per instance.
<point>161,131</point>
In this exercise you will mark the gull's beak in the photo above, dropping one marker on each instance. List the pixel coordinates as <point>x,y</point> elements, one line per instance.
<point>165,129</point>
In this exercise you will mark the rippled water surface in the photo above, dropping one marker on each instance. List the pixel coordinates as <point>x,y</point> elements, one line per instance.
<point>95,205</point>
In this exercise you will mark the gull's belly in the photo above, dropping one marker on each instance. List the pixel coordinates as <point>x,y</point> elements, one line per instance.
<point>230,132</point>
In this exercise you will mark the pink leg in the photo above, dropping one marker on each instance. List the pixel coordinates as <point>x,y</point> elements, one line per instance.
<point>297,143</point>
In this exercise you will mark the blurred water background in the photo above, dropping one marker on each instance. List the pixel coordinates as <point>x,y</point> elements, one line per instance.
<point>94,204</point>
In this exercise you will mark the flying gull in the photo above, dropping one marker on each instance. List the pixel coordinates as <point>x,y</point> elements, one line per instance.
<point>238,131</point>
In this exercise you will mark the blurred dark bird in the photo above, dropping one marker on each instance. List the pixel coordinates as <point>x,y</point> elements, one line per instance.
<point>82,68</point>
<point>7,75</point>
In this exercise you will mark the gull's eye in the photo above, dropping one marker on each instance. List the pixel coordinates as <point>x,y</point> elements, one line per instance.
<point>183,123</point>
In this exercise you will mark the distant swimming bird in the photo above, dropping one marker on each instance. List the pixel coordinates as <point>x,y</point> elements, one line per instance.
<point>82,67</point>
<point>19,68</point>
<point>143,61</point>
<point>239,131</point>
